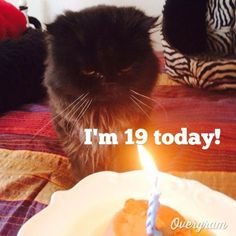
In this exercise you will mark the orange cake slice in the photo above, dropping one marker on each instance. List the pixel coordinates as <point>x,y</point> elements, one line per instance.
<point>131,221</point>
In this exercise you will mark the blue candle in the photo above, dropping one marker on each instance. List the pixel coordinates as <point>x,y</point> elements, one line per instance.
<point>154,200</point>
<point>153,208</point>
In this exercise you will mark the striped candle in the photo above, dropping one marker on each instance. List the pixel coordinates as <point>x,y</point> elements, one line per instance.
<point>154,200</point>
<point>153,208</point>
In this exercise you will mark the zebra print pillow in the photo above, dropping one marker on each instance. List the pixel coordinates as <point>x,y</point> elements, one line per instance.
<point>212,74</point>
<point>220,18</point>
<point>217,71</point>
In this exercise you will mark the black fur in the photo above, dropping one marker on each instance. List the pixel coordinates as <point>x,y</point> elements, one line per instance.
<point>184,25</point>
<point>21,70</point>
<point>106,40</point>
<point>106,53</point>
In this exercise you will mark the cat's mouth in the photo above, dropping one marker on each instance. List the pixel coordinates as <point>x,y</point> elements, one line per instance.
<point>110,92</point>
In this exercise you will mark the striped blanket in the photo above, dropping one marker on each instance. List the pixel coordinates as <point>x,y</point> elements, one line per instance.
<point>33,165</point>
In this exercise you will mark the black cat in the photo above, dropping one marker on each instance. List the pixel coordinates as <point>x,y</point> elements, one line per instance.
<point>101,69</point>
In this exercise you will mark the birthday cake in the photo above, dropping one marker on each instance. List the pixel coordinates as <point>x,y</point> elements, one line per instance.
<point>131,220</point>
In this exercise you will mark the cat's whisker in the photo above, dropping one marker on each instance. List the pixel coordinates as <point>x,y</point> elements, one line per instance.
<point>142,95</point>
<point>82,97</point>
<point>156,102</point>
<point>141,102</point>
<point>82,112</point>
<point>85,109</point>
<point>76,108</point>
<point>81,106</point>
<point>55,117</point>
<point>137,104</point>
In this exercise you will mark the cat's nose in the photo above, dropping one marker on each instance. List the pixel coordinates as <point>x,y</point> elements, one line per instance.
<point>109,77</point>
<point>100,76</point>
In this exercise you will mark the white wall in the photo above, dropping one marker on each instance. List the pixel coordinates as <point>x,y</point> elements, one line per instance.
<point>47,10</point>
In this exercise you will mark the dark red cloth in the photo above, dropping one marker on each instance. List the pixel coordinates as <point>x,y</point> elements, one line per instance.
<point>176,107</point>
<point>200,111</point>
<point>12,21</point>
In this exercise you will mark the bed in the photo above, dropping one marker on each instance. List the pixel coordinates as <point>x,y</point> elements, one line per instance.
<point>33,165</point>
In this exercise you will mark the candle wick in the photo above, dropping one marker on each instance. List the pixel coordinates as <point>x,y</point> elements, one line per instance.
<point>156,186</point>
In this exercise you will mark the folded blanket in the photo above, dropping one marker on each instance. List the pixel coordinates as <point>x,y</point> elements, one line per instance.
<point>31,168</point>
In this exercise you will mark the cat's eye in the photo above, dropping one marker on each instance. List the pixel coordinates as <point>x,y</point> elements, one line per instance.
<point>93,74</point>
<point>89,72</point>
<point>126,69</point>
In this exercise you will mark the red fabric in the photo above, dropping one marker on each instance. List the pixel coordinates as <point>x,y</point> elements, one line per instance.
<point>29,123</point>
<point>12,21</point>
<point>176,107</point>
<point>200,111</point>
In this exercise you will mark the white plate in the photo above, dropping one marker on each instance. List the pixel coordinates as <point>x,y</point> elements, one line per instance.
<point>86,209</point>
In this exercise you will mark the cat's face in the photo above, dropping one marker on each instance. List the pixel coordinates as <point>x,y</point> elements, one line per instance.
<point>105,51</point>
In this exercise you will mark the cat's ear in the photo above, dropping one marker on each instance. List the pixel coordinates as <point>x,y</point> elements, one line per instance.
<point>58,27</point>
<point>151,22</point>
<point>65,26</point>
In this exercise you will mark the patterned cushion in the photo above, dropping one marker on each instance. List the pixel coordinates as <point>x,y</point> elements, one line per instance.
<point>208,73</point>
<point>217,70</point>
<point>220,18</point>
